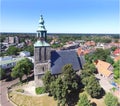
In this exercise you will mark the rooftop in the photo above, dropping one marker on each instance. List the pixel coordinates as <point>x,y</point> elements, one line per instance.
<point>103,67</point>
<point>61,58</point>
<point>11,61</point>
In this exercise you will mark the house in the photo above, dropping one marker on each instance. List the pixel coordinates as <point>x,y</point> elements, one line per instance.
<point>117,52</point>
<point>100,45</point>
<point>90,43</point>
<point>81,51</point>
<point>104,69</point>
<point>71,45</point>
<point>24,54</point>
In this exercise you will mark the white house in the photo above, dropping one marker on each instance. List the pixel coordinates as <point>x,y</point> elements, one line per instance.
<point>24,54</point>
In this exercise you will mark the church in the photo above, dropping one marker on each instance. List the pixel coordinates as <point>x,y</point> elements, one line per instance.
<point>46,59</point>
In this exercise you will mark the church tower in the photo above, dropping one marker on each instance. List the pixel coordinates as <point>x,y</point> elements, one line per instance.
<point>41,53</point>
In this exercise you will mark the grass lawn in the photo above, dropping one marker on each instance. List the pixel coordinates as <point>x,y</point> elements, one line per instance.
<point>44,100</point>
<point>99,102</point>
<point>23,100</point>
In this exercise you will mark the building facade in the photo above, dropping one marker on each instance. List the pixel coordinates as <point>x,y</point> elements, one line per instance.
<point>46,59</point>
<point>41,53</point>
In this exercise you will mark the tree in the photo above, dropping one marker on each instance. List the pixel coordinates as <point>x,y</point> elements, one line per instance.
<point>86,73</point>
<point>69,76</point>
<point>47,80</point>
<point>18,71</point>
<point>30,49</point>
<point>28,66</point>
<point>89,66</point>
<point>63,87</point>
<point>110,100</point>
<point>93,87</point>
<point>113,48</point>
<point>83,101</point>
<point>109,60</point>
<point>22,67</point>
<point>116,70</point>
<point>12,50</point>
<point>59,91</point>
<point>101,54</point>
<point>2,73</point>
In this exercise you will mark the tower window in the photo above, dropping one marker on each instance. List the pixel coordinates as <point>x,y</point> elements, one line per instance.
<point>43,69</point>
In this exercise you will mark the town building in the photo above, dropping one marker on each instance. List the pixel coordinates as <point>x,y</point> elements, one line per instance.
<point>116,52</point>
<point>12,40</point>
<point>8,62</point>
<point>90,43</point>
<point>46,59</point>
<point>104,69</point>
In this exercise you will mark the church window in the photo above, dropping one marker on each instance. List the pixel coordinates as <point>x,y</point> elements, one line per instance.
<point>43,69</point>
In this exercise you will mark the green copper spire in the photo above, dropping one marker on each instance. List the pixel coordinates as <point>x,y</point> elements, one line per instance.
<point>41,43</point>
<point>41,26</point>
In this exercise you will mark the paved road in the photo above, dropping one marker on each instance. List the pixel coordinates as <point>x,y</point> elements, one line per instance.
<point>104,83</point>
<point>3,92</point>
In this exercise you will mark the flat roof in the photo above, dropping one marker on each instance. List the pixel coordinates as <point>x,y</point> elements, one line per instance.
<point>11,61</point>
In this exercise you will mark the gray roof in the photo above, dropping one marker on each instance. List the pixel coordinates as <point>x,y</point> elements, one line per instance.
<point>63,57</point>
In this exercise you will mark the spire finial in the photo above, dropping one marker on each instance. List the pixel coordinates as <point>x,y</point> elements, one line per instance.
<point>41,21</point>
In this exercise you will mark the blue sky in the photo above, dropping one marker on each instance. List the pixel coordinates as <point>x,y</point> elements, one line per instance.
<point>61,16</point>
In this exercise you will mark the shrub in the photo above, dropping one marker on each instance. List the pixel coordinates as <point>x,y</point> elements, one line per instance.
<point>39,90</point>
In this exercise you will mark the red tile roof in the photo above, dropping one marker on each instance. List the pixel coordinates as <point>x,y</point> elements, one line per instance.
<point>90,43</point>
<point>117,51</point>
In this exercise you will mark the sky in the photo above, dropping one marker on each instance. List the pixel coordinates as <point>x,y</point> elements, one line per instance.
<point>60,16</point>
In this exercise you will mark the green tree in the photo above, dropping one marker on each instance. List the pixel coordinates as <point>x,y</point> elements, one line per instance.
<point>69,76</point>
<point>86,73</point>
<point>116,70</point>
<point>113,48</point>
<point>89,66</point>
<point>12,50</point>
<point>64,86</point>
<point>102,54</point>
<point>2,73</point>
<point>47,80</point>
<point>59,91</point>
<point>29,49</point>
<point>28,66</point>
<point>18,71</point>
<point>83,101</point>
<point>22,67</point>
<point>93,87</point>
<point>110,100</point>
<point>109,60</point>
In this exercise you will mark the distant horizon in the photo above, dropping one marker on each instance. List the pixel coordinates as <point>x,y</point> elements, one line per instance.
<point>66,16</point>
<point>60,33</point>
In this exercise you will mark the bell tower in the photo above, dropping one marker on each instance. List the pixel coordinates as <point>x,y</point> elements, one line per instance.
<point>41,31</point>
<point>42,52</point>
